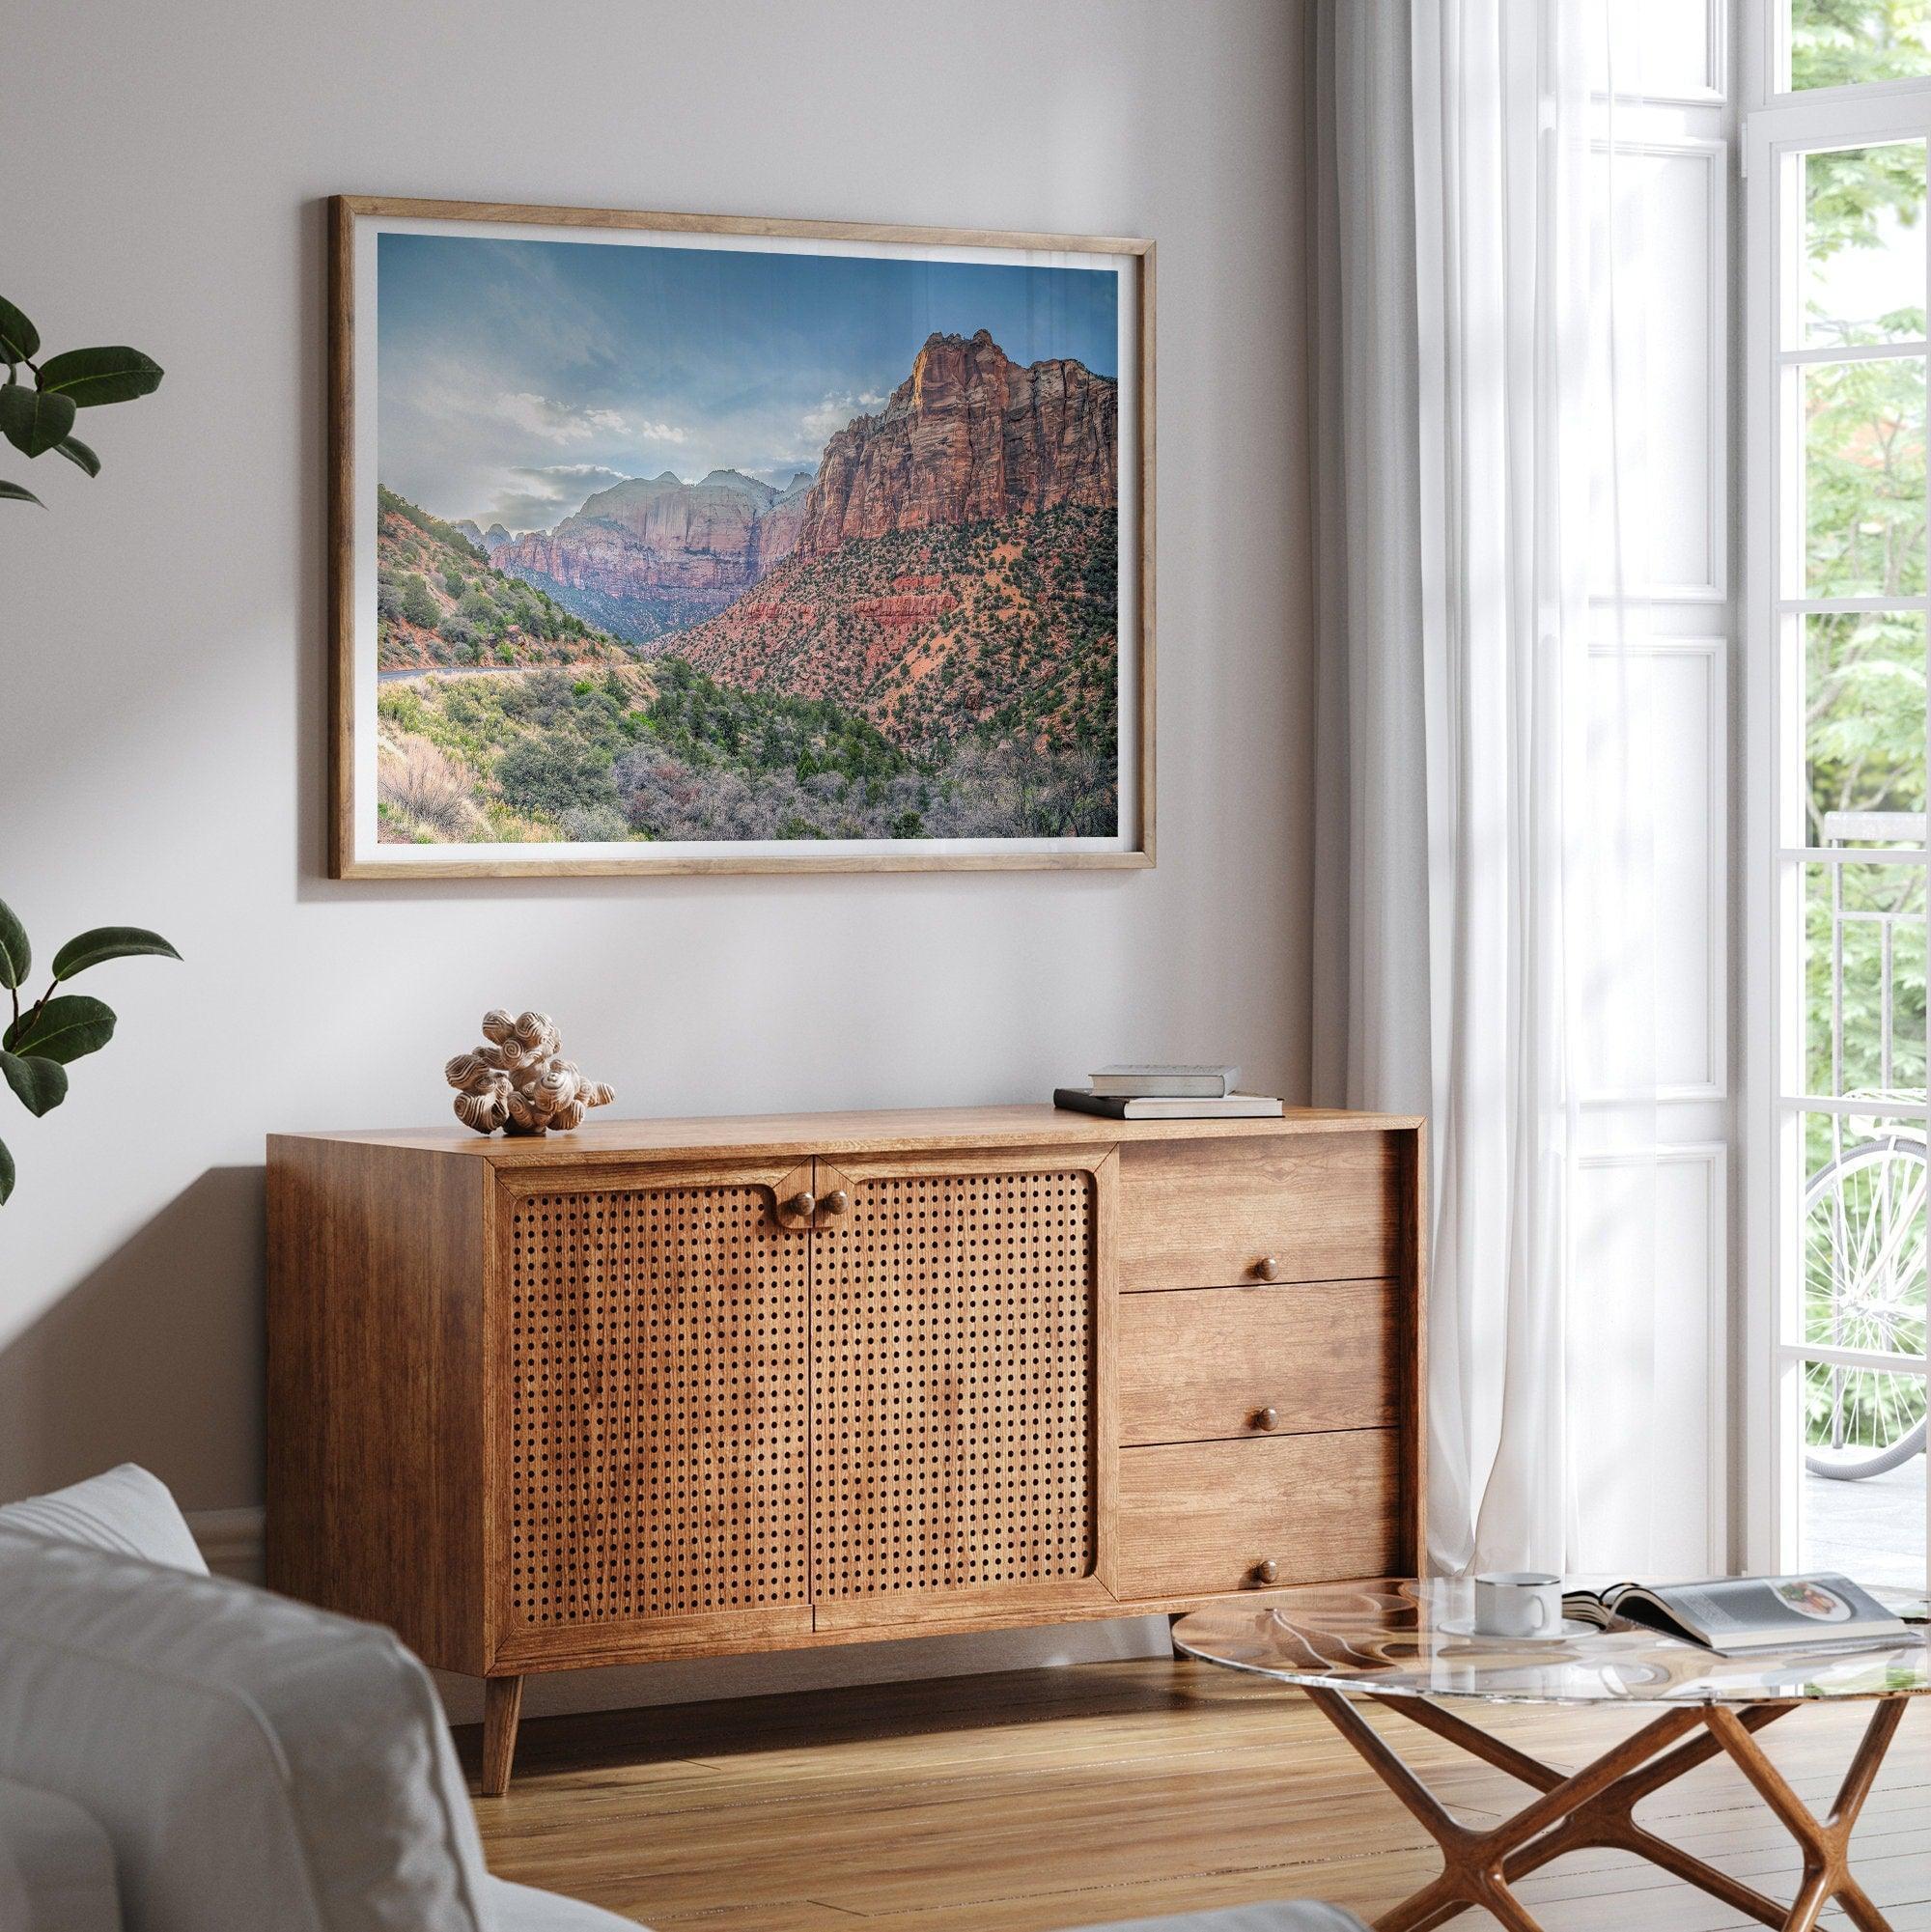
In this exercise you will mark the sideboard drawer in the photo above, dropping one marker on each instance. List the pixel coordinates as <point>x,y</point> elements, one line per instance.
<point>1200,1518</point>
<point>1200,1363</point>
<point>1304,1207</point>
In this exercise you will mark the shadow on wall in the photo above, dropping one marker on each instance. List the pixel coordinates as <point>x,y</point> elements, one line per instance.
<point>156,1357</point>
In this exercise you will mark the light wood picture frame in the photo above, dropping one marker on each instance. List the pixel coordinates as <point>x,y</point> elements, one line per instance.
<point>809,545</point>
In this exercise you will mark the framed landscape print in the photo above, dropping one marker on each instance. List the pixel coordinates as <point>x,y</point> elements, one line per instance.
<point>681,544</point>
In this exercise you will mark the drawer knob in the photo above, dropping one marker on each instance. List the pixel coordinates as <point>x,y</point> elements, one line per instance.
<point>1266,1571</point>
<point>803,1205</point>
<point>1267,1418</point>
<point>1268,1268</point>
<point>835,1202</point>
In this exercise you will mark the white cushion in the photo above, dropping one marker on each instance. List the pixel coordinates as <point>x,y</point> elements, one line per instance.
<point>519,1908</point>
<point>255,1762</point>
<point>125,1509</point>
<point>56,1865</point>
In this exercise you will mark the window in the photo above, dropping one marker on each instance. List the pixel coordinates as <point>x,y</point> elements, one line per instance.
<point>1836,302</point>
<point>1853,42</point>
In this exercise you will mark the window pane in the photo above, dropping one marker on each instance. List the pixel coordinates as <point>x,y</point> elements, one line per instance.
<point>1864,729</point>
<point>1863,245</point>
<point>1863,478</point>
<point>1841,42</point>
<point>1863,1496</point>
<point>1864,1257</point>
<point>1652,47</point>
<point>1863,979</point>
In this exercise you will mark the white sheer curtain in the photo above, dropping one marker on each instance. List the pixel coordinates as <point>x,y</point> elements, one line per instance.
<point>1475,924</point>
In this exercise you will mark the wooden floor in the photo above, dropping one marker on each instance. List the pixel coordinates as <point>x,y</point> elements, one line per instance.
<point>1063,1798</point>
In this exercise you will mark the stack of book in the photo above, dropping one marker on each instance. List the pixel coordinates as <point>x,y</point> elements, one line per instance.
<point>1166,1093</point>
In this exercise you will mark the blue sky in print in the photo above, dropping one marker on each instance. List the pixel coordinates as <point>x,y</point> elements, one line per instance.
<point>515,377</point>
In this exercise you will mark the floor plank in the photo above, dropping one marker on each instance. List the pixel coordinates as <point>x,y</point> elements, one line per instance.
<point>1050,1798</point>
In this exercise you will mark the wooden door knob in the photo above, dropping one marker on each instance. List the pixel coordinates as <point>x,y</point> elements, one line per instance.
<point>1266,1418</point>
<point>1268,1268</point>
<point>803,1205</point>
<point>1266,1571</point>
<point>835,1202</point>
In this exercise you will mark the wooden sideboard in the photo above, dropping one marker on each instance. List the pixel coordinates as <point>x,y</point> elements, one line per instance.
<point>670,1389</point>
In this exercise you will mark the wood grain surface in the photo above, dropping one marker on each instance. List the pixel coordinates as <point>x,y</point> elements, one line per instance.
<point>375,1339</point>
<point>1277,1207</point>
<point>1209,1516</point>
<point>1288,1358</point>
<point>875,1132</point>
<point>1034,1801</point>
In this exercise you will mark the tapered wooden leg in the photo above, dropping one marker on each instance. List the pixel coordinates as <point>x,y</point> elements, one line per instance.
<point>1595,1805</point>
<point>1826,1843</point>
<point>1609,1820</point>
<point>1474,1864</point>
<point>502,1706</point>
<point>1858,1909</point>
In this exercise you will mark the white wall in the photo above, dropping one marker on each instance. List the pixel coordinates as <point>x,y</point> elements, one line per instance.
<point>163,629</point>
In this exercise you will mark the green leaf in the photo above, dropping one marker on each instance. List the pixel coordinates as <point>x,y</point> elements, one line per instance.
<point>20,342</point>
<point>108,942</point>
<point>63,1029</point>
<point>12,493</point>
<point>77,452</point>
<point>40,1084</point>
<point>16,955</point>
<point>6,1174</point>
<point>33,420</point>
<point>90,377</point>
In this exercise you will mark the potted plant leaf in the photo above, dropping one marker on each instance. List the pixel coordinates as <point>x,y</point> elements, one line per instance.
<point>47,1035</point>
<point>39,416</point>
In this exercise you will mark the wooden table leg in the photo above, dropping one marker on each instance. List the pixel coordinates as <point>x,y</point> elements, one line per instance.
<point>1826,1843</point>
<point>1474,1864</point>
<point>502,1706</point>
<point>1595,1808</point>
<point>1610,1821</point>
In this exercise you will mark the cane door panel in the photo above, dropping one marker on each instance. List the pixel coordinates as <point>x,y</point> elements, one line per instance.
<point>957,1387</point>
<point>657,1410</point>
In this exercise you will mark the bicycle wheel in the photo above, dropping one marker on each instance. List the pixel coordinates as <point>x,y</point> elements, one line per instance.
<point>1864,1288</point>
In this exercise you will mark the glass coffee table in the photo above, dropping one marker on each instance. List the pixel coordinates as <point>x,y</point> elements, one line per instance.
<point>1408,1646</point>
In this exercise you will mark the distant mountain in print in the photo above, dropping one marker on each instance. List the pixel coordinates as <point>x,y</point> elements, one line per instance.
<point>653,555</point>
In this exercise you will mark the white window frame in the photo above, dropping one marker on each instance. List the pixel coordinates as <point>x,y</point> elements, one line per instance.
<point>1780,127</point>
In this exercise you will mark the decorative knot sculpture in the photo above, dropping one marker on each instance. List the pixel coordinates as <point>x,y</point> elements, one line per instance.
<point>518,1079</point>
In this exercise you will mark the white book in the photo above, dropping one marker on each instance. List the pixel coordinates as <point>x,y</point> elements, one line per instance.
<point>1169,1082</point>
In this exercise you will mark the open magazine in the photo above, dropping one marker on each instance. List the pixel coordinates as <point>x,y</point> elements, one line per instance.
<point>1737,1616</point>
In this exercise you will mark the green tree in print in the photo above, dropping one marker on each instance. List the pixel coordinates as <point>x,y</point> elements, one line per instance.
<point>419,605</point>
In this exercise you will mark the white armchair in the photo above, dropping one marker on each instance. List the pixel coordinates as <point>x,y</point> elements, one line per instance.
<point>184,1753</point>
<point>247,1762</point>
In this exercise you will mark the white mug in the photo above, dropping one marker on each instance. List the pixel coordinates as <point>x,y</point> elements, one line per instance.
<point>1519,1603</point>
